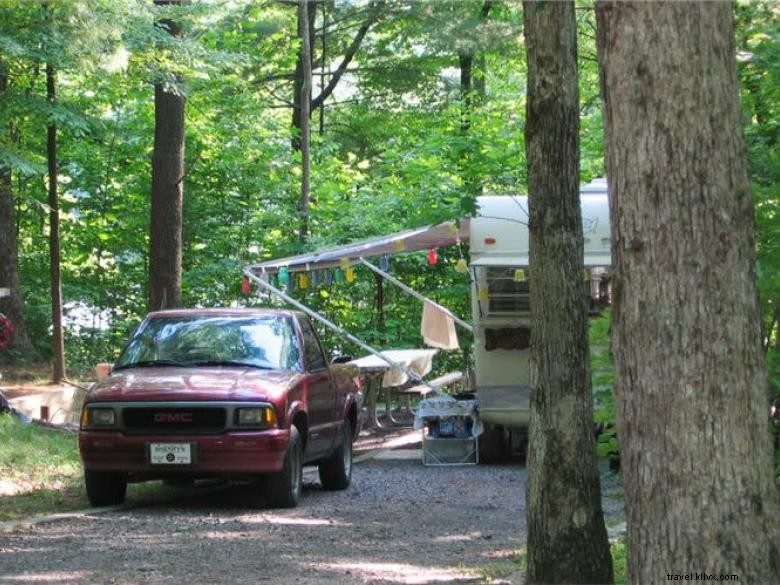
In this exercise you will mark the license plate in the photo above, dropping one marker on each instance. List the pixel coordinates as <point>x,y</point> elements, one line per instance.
<point>170,453</point>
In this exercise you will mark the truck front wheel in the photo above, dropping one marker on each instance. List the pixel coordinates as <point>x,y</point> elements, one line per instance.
<point>284,488</point>
<point>105,488</point>
<point>336,470</point>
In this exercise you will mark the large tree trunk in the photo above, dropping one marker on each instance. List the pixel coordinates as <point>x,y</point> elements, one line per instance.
<point>11,306</point>
<point>567,539</point>
<point>167,194</point>
<point>57,342</point>
<point>690,380</point>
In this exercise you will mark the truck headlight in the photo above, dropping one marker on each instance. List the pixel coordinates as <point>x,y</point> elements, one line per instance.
<point>262,416</point>
<point>98,417</point>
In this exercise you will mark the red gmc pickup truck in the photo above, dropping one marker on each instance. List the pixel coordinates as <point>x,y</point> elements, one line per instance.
<point>229,393</point>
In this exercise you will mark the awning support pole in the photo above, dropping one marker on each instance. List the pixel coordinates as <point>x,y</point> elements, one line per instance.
<point>315,315</point>
<point>415,294</point>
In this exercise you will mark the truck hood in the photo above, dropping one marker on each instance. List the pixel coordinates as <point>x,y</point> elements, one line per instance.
<point>193,383</point>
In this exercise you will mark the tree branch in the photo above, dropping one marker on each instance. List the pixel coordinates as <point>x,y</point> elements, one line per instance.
<point>348,56</point>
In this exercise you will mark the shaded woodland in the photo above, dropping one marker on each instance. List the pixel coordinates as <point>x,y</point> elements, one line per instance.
<point>151,149</point>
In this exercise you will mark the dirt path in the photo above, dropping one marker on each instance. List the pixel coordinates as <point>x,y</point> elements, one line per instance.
<point>399,522</point>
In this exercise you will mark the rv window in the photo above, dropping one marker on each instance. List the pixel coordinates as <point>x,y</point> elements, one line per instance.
<point>505,294</point>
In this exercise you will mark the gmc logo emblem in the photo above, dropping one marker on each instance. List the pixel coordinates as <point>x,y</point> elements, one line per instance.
<point>173,417</point>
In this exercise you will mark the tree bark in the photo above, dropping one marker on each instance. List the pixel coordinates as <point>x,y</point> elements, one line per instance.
<point>567,539</point>
<point>167,195</point>
<point>310,10</point>
<point>691,384</point>
<point>57,342</point>
<point>305,105</point>
<point>12,305</point>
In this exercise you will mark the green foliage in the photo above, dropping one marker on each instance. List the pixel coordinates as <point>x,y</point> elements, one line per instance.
<point>619,551</point>
<point>41,469</point>
<point>603,381</point>
<point>42,466</point>
<point>758,40</point>
<point>400,146</point>
<point>498,571</point>
<point>31,446</point>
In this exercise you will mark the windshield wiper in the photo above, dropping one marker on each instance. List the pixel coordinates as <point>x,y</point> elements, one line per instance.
<point>230,363</point>
<point>149,364</point>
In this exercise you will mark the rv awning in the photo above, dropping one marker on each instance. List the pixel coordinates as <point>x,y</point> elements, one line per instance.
<point>424,238</point>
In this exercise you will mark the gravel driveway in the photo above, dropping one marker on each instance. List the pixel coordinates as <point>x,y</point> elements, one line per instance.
<point>399,522</point>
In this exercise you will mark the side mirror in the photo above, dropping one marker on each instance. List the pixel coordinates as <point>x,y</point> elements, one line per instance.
<point>342,359</point>
<point>103,370</point>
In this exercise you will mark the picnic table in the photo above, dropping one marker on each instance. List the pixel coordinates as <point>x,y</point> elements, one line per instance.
<point>379,376</point>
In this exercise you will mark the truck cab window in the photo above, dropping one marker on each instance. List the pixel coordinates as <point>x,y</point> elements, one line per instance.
<point>315,360</point>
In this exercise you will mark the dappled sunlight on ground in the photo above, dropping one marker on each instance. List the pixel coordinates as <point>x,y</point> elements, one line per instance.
<point>399,523</point>
<point>54,577</point>
<point>293,521</point>
<point>506,553</point>
<point>458,537</point>
<point>401,573</point>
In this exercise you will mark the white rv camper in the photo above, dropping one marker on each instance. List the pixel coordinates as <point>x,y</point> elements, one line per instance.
<point>499,250</point>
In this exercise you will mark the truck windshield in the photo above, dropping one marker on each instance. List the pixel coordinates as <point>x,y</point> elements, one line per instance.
<point>259,342</point>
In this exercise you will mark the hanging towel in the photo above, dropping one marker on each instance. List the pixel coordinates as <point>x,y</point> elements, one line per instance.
<point>438,327</point>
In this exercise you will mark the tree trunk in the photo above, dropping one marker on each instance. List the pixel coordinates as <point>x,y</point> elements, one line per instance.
<point>567,539</point>
<point>380,304</point>
<point>481,70</point>
<point>375,12</point>
<point>480,86</point>
<point>465,62</point>
<point>310,9</point>
<point>472,84</point>
<point>323,64</point>
<point>690,379</point>
<point>167,194</point>
<point>12,305</point>
<point>304,14</point>
<point>57,342</point>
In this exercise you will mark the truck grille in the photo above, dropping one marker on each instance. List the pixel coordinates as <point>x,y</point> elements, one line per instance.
<point>174,420</point>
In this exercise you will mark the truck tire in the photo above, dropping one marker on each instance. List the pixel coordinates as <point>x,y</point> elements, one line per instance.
<point>284,488</point>
<point>336,470</point>
<point>105,488</point>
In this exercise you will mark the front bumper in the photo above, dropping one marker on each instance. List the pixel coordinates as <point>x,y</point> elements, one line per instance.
<point>228,454</point>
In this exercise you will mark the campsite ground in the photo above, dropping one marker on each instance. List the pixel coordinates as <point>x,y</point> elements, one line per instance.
<point>399,522</point>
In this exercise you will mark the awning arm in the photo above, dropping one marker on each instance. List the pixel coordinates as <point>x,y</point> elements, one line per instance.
<point>315,315</point>
<point>415,294</point>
